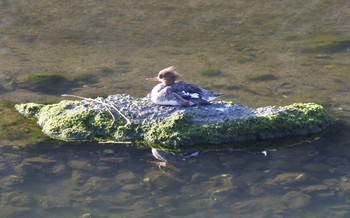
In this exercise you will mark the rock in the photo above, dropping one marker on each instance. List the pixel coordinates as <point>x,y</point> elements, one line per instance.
<point>39,160</point>
<point>135,187</point>
<point>98,184</point>
<point>87,215</point>
<point>127,118</point>
<point>338,210</point>
<point>319,190</point>
<point>10,211</point>
<point>244,206</point>
<point>168,201</point>
<point>127,177</point>
<point>53,202</point>
<point>18,199</point>
<point>315,188</point>
<point>10,181</point>
<point>344,187</point>
<point>59,169</point>
<point>80,165</point>
<point>157,181</point>
<point>78,177</point>
<point>25,169</point>
<point>287,179</point>
<point>294,199</point>
<point>219,186</point>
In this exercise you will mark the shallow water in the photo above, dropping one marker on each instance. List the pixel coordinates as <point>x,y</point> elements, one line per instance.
<point>256,53</point>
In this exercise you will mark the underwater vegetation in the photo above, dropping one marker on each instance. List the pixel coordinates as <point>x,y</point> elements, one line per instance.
<point>51,82</point>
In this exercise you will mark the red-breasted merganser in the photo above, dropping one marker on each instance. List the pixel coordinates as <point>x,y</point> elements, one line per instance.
<point>170,92</point>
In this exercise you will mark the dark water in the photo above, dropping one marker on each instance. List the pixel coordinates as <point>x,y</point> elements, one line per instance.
<point>256,53</point>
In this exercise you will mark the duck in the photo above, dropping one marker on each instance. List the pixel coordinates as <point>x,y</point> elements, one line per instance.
<point>171,92</point>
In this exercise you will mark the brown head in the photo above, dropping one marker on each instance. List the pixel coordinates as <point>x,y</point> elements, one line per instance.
<point>167,76</point>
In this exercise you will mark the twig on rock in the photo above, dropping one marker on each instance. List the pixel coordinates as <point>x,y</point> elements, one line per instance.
<point>104,104</point>
<point>114,142</point>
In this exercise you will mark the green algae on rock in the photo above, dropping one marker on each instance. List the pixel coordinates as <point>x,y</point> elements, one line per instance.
<point>174,127</point>
<point>69,120</point>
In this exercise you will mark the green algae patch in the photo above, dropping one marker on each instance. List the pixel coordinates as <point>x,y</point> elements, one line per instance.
<point>43,82</point>
<point>29,109</point>
<point>326,44</point>
<point>173,131</point>
<point>173,127</point>
<point>70,120</point>
<point>52,82</point>
<point>296,119</point>
<point>16,130</point>
<point>133,131</point>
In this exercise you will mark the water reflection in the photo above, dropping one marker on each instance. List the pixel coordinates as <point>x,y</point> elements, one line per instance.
<point>90,179</point>
<point>169,161</point>
<point>172,157</point>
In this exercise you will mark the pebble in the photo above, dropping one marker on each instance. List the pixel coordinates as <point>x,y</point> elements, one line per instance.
<point>80,165</point>
<point>98,184</point>
<point>295,199</point>
<point>126,178</point>
<point>78,177</point>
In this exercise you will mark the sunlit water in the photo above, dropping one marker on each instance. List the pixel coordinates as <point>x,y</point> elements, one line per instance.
<point>264,53</point>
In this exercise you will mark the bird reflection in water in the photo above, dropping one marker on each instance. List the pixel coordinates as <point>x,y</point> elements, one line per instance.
<point>166,157</point>
<point>167,160</point>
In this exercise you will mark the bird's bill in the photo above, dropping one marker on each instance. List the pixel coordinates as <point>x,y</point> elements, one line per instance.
<point>152,79</point>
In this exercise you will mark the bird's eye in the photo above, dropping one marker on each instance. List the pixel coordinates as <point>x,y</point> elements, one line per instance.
<point>161,76</point>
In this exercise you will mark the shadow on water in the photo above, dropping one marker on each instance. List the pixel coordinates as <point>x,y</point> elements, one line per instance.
<point>52,83</point>
<point>336,47</point>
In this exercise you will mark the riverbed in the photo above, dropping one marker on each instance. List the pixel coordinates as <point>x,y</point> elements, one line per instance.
<point>255,53</point>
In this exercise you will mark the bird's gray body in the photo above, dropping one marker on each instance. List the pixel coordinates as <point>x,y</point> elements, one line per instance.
<point>183,94</point>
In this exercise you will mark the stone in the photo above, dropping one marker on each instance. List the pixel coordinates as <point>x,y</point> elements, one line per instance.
<point>295,199</point>
<point>11,211</point>
<point>11,181</point>
<point>18,199</point>
<point>287,179</point>
<point>78,177</point>
<point>156,181</point>
<point>59,169</point>
<point>38,160</point>
<point>126,118</point>
<point>135,187</point>
<point>98,184</point>
<point>80,165</point>
<point>315,188</point>
<point>54,202</point>
<point>242,207</point>
<point>126,178</point>
<point>218,187</point>
<point>24,169</point>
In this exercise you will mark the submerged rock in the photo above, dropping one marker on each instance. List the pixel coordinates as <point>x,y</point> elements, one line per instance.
<point>123,117</point>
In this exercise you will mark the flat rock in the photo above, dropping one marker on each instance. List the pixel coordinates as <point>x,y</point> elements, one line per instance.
<point>126,118</point>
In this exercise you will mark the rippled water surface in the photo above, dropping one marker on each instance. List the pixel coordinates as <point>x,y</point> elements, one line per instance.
<point>255,52</point>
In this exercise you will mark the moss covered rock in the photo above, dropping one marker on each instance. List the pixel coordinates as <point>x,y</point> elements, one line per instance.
<point>122,117</point>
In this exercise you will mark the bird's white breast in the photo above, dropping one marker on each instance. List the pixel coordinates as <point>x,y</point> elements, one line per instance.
<point>158,96</point>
